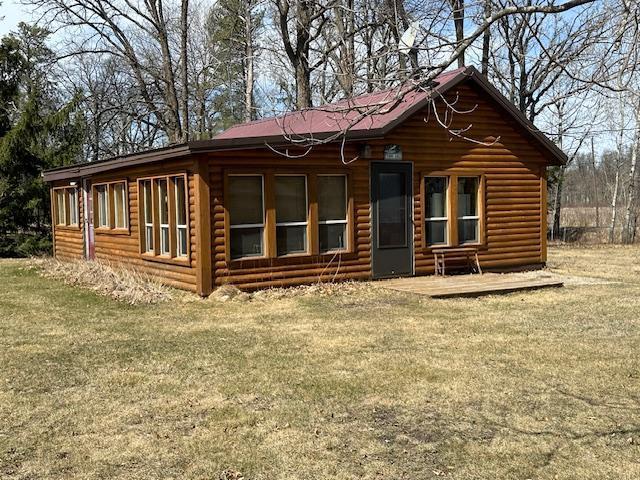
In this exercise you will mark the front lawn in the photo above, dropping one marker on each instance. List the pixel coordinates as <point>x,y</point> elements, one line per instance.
<point>367,383</point>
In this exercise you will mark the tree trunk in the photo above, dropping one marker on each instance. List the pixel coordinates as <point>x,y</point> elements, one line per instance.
<point>185,73</point>
<point>614,201</point>
<point>557,205</point>
<point>303,85</point>
<point>486,41</point>
<point>595,183</point>
<point>248,53</point>
<point>631,189</point>
<point>458,21</point>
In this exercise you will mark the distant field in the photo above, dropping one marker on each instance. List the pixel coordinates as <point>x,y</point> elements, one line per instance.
<point>366,383</point>
<point>582,224</point>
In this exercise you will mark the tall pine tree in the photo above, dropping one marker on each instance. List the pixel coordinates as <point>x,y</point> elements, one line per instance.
<point>39,129</point>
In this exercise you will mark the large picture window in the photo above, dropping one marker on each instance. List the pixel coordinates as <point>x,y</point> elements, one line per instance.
<point>282,213</point>
<point>66,206</point>
<point>291,214</point>
<point>111,206</point>
<point>468,218</point>
<point>332,212</point>
<point>246,215</point>
<point>436,210</point>
<point>164,229</point>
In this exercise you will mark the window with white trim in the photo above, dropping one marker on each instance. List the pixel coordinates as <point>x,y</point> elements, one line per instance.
<point>291,214</point>
<point>66,206</point>
<point>246,215</point>
<point>120,205</point>
<point>181,217</point>
<point>332,212</point>
<point>164,217</point>
<point>102,211</point>
<point>468,216</point>
<point>111,206</point>
<point>147,209</point>
<point>436,211</point>
<point>61,207</point>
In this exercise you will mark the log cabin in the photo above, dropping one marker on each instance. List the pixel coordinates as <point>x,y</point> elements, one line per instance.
<point>455,167</point>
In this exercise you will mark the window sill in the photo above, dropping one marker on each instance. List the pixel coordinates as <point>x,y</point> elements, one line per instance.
<point>182,261</point>
<point>73,228</point>
<point>112,231</point>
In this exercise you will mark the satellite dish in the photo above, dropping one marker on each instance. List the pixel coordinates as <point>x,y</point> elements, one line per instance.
<point>409,38</point>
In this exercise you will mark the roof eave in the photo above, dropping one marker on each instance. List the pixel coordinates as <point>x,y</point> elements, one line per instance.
<point>91,168</point>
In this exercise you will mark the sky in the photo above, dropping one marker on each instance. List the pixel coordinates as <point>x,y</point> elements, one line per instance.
<point>12,13</point>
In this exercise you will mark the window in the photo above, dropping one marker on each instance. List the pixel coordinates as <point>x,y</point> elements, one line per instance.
<point>332,212</point>
<point>73,205</point>
<point>66,206</point>
<point>163,205</point>
<point>246,215</point>
<point>164,232</point>
<point>181,217</point>
<point>103,206</point>
<point>453,198</point>
<point>110,206</point>
<point>270,215</point>
<point>468,218</point>
<point>120,205</point>
<point>436,215</point>
<point>61,206</point>
<point>291,214</point>
<point>147,209</point>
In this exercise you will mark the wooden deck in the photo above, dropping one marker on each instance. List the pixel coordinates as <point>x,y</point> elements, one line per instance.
<point>471,285</point>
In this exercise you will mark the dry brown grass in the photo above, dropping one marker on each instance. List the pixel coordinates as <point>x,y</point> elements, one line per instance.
<point>126,285</point>
<point>363,383</point>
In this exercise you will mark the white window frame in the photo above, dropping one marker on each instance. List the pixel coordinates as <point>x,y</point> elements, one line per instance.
<point>74,214</point>
<point>438,219</point>
<point>61,193</point>
<point>344,222</point>
<point>124,206</point>
<point>250,225</point>
<point>148,222</point>
<point>181,226</point>
<point>164,226</point>
<point>103,222</point>
<point>306,209</point>
<point>471,217</point>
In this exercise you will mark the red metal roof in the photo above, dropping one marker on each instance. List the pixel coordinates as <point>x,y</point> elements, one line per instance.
<point>368,112</point>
